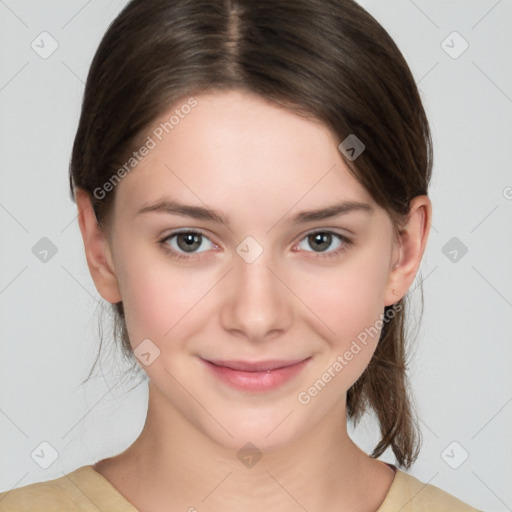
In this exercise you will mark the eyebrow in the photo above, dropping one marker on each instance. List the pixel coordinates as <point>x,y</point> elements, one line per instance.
<point>202,213</point>
<point>332,211</point>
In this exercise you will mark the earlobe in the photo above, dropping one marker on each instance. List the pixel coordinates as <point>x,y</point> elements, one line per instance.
<point>411,247</point>
<point>97,250</point>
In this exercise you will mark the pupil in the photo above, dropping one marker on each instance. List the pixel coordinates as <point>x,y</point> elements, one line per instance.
<point>320,241</point>
<point>189,242</point>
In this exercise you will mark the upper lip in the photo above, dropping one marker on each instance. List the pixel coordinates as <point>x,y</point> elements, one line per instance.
<point>256,366</point>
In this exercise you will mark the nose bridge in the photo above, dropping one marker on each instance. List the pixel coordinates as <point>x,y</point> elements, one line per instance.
<point>256,280</point>
<point>256,304</point>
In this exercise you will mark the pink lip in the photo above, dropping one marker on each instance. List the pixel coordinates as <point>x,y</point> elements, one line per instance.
<point>256,376</point>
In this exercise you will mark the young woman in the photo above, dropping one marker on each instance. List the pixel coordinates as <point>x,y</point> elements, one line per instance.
<point>251,180</point>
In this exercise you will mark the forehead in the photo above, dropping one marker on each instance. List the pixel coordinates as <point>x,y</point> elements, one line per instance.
<point>234,149</point>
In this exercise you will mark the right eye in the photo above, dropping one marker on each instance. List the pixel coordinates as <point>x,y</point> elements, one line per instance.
<point>181,243</point>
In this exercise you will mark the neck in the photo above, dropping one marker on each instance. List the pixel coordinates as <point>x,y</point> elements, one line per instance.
<point>172,462</point>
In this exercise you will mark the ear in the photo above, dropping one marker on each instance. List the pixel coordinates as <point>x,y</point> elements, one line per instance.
<point>409,247</point>
<point>97,249</point>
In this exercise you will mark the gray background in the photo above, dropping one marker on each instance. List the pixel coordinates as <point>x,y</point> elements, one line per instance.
<point>460,366</point>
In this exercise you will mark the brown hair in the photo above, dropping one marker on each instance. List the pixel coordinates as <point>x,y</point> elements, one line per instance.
<point>325,59</point>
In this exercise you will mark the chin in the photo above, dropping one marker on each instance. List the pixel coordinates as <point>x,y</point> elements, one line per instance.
<point>268,429</point>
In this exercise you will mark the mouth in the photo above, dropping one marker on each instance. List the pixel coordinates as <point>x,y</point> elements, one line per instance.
<point>255,376</point>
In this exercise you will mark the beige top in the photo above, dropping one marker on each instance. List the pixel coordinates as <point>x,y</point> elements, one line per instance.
<point>85,490</point>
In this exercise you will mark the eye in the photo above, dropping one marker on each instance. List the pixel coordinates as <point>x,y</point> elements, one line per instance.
<point>190,242</point>
<point>323,242</point>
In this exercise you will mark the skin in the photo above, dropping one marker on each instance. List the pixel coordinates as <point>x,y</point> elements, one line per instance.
<point>258,165</point>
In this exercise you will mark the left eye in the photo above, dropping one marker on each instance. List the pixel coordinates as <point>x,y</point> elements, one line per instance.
<point>321,241</point>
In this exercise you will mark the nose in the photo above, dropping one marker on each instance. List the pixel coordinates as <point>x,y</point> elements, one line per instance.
<point>257,306</point>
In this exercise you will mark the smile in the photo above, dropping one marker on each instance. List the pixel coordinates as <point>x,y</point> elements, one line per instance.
<point>260,376</point>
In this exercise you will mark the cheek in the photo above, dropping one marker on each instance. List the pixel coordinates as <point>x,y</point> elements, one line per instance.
<point>349,302</point>
<point>157,297</point>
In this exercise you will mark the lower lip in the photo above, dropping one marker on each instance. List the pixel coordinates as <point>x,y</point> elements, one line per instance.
<point>256,381</point>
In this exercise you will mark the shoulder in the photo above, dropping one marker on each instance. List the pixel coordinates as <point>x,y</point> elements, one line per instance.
<point>52,495</point>
<point>408,494</point>
<point>81,490</point>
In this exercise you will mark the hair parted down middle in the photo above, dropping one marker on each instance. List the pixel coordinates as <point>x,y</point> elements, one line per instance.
<point>327,60</point>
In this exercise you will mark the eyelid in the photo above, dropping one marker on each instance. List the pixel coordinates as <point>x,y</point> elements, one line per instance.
<point>336,231</point>
<point>345,242</point>
<point>179,231</point>
<point>163,242</point>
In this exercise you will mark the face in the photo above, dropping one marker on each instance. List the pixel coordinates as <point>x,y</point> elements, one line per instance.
<point>251,265</point>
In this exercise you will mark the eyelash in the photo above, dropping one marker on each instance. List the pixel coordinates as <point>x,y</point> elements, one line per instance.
<point>179,255</point>
<point>346,242</point>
